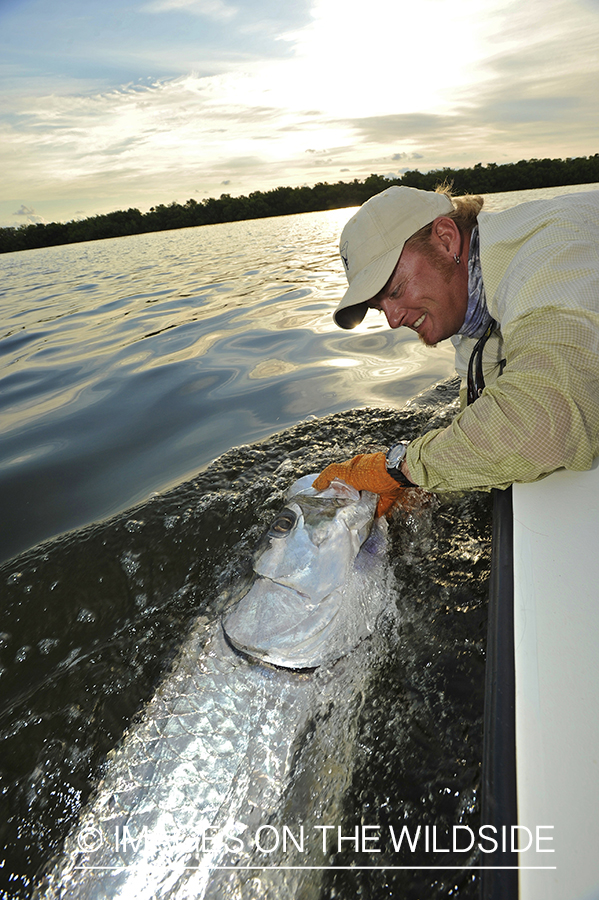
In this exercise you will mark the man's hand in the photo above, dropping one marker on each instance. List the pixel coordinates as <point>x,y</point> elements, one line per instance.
<point>365,472</point>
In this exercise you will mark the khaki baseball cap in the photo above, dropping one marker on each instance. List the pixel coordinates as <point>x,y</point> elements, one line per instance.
<point>372,241</point>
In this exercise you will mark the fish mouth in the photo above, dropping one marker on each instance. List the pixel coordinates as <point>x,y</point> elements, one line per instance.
<point>255,626</point>
<point>295,614</point>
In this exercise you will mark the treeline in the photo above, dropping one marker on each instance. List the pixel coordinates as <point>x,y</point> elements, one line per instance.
<point>282,201</point>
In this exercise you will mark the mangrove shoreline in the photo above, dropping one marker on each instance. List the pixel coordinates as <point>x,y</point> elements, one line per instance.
<point>283,201</point>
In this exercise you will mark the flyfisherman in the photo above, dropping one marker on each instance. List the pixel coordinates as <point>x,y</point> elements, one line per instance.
<point>518,294</point>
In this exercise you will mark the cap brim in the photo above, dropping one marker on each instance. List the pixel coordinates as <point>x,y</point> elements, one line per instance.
<point>354,305</point>
<point>350,316</point>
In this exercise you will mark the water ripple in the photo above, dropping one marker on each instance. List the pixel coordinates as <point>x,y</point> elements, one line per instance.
<point>137,361</point>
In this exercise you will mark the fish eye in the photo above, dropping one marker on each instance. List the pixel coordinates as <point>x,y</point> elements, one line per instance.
<point>283,523</point>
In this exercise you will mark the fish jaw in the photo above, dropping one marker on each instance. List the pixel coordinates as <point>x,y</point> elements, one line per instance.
<point>275,625</point>
<point>308,582</point>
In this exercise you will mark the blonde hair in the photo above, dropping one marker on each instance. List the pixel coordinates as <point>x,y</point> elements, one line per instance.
<point>465,211</point>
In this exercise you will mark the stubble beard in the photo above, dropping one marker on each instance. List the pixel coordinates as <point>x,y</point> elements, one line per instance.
<point>424,341</point>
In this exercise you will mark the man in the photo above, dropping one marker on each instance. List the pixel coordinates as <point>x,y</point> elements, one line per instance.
<point>523,282</point>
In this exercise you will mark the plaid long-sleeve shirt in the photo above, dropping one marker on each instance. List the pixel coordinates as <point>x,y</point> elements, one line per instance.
<point>540,264</point>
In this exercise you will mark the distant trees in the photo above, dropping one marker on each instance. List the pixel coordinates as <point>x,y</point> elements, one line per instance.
<point>282,201</point>
<point>527,173</point>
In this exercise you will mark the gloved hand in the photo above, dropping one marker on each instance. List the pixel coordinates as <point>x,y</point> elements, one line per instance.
<point>365,472</point>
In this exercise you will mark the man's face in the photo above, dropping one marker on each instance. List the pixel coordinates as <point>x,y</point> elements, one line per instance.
<point>430,297</point>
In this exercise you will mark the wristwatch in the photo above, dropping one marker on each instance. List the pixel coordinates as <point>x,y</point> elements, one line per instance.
<point>395,456</point>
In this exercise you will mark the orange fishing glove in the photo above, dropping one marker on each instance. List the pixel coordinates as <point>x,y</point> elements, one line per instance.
<point>365,472</point>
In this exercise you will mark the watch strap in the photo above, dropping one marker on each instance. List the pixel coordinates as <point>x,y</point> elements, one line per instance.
<point>393,463</point>
<point>399,476</point>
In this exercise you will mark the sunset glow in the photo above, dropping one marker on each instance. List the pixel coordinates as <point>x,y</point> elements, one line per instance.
<point>135,104</point>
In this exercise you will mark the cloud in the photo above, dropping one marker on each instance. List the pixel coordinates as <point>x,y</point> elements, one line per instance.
<point>533,110</point>
<point>399,156</point>
<point>211,9</point>
<point>534,94</point>
<point>177,130</point>
<point>29,214</point>
<point>421,127</point>
<point>255,84</point>
<point>551,76</point>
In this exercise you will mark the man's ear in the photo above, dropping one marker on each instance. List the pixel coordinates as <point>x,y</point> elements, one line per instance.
<point>447,236</point>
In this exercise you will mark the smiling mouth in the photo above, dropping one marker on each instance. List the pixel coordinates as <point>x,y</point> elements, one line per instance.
<point>419,322</point>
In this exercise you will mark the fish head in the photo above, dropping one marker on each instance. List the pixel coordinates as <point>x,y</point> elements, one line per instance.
<point>290,615</point>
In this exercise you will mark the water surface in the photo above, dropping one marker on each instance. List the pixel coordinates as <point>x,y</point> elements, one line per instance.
<point>130,364</point>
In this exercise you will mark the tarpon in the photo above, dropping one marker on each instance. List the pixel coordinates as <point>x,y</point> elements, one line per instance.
<point>252,731</point>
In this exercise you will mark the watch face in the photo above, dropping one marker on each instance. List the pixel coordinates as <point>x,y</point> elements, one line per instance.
<point>396,455</point>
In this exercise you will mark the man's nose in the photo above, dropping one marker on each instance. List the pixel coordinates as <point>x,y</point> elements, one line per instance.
<point>393,313</point>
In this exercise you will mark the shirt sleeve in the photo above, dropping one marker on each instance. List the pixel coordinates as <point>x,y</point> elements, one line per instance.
<point>541,413</point>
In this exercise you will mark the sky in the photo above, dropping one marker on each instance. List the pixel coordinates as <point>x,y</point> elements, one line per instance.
<point>110,104</point>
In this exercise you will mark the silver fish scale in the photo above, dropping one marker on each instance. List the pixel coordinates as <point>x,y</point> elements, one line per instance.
<point>216,736</point>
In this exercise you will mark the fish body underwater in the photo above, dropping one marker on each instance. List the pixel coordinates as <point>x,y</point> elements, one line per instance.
<point>250,737</point>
